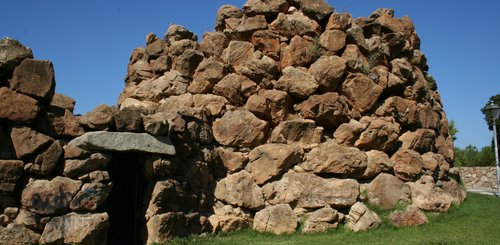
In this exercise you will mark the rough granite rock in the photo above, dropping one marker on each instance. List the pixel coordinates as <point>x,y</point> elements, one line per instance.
<point>46,197</point>
<point>240,129</point>
<point>100,118</point>
<point>241,190</point>
<point>387,191</point>
<point>12,53</point>
<point>408,164</point>
<point>163,227</point>
<point>34,78</point>
<point>268,161</point>
<point>10,172</point>
<point>76,167</point>
<point>411,216</point>
<point>297,82</point>
<point>228,218</point>
<point>26,108</point>
<point>277,219</point>
<point>328,71</point>
<point>73,228</point>
<point>45,162</point>
<point>321,220</point>
<point>302,131</point>
<point>328,110</point>
<point>124,142</point>
<point>27,142</point>
<point>18,234</point>
<point>361,218</point>
<point>305,190</point>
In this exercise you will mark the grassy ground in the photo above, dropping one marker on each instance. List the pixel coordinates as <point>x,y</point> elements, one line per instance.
<point>476,221</point>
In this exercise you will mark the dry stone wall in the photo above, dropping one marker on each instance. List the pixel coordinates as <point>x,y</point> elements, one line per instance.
<point>288,111</point>
<point>479,177</point>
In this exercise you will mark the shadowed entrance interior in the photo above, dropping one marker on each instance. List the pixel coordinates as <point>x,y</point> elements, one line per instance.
<point>125,204</point>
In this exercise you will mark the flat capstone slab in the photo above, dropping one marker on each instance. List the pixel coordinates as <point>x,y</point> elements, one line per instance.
<point>124,142</point>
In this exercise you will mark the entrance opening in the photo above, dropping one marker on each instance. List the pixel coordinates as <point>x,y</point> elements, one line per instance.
<point>125,203</point>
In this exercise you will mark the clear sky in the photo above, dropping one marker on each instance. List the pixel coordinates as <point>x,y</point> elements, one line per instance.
<point>90,43</point>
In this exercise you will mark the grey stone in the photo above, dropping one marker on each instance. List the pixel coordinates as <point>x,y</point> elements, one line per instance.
<point>124,142</point>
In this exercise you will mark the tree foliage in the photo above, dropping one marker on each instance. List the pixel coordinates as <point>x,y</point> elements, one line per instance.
<point>488,116</point>
<point>452,130</point>
<point>470,156</point>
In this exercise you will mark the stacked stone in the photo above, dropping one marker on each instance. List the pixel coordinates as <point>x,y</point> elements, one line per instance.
<point>39,201</point>
<point>479,177</point>
<point>290,109</point>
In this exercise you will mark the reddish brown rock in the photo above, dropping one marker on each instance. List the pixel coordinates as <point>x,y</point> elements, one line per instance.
<point>162,228</point>
<point>45,162</point>
<point>381,134</point>
<point>387,191</point>
<point>240,189</point>
<point>213,43</point>
<point>233,161</point>
<point>421,140</point>
<point>240,129</point>
<point>128,120</point>
<point>46,197</point>
<point>26,108</point>
<point>27,141</point>
<point>235,88</point>
<point>59,122</point>
<point>331,158</point>
<point>208,73</point>
<point>361,91</point>
<point>328,110</point>
<point>321,220</point>
<point>271,105</point>
<point>301,131</point>
<point>289,25</point>
<point>177,33</point>
<point>300,52</point>
<point>10,172</point>
<point>427,196</point>
<point>34,78</point>
<point>75,167</point>
<point>390,24</point>
<point>227,218</point>
<point>179,47</point>
<point>268,161</point>
<point>339,21</point>
<point>328,71</point>
<point>237,53</point>
<point>297,82</point>
<point>18,234</point>
<point>411,216</point>
<point>12,53</point>
<point>267,42</point>
<point>63,101</point>
<point>269,8</point>
<point>100,118</point>
<point>427,117</point>
<point>305,190</point>
<point>72,152</point>
<point>408,164</point>
<point>403,110</point>
<point>348,133</point>
<point>277,219</point>
<point>361,218</point>
<point>315,9</point>
<point>187,62</point>
<point>171,83</point>
<point>377,162</point>
<point>444,146</point>
<point>356,61</point>
<point>226,12</point>
<point>333,41</point>
<point>244,28</point>
<point>261,69</point>
<point>355,36</point>
<point>156,124</point>
<point>90,197</point>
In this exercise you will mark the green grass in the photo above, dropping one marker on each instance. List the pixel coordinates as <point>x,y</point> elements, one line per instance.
<point>476,221</point>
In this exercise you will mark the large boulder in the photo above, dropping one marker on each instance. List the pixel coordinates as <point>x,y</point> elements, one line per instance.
<point>333,41</point>
<point>277,219</point>
<point>331,158</point>
<point>328,110</point>
<point>240,129</point>
<point>73,228</point>
<point>237,53</point>
<point>408,164</point>
<point>300,52</point>
<point>171,83</point>
<point>270,105</point>
<point>296,24</point>
<point>270,8</point>
<point>90,197</point>
<point>163,227</point>
<point>387,191</point>
<point>328,71</point>
<point>361,91</point>
<point>12,53</point>
<point>361,218</point>
<point>377,162</point>
<point>427,196</point>
<point>297,82</point>
<point>124,142</point>
<point>49,197</point>
<point>34,78</point>
<point>100,118</point>
<point>163,194</point>
<point>241,190</point>
<point>305,190</point>
<point>59,122</point>
<point>10,172</point>
<point>233,161</point>
<point>381,133</point>
<point>269,161</point>
<point>228,218</point>
<point>421,140</point>
<point>321,220</point>
<point>315,9</point>
<point>25,111</point>
<point>411,216</point>
<point>46,162</point>
<point>17,235</point>
<point>348,133</point>
<point>27,142</point>
<point>76,167</point>
<point>235,88</point>
<point>303,131</point>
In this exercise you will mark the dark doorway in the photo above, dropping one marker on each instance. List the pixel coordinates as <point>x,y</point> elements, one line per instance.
<point>125,204</point>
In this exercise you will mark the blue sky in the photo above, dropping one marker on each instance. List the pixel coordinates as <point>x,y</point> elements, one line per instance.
<point>90,43</point>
